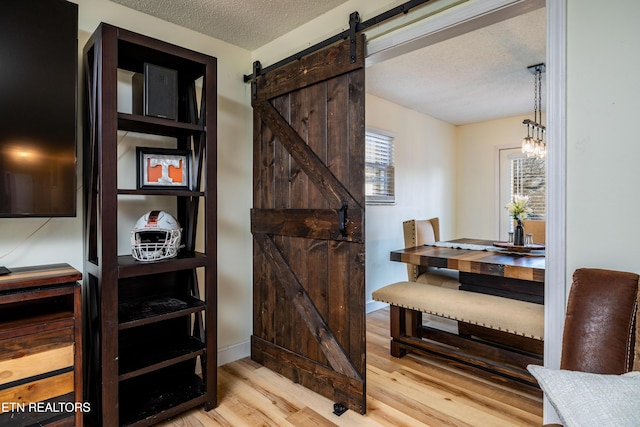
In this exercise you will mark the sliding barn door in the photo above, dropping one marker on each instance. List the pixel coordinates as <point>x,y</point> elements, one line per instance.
<point>308,223</point>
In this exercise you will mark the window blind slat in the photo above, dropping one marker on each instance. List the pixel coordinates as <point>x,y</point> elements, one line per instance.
<point>379,168</point>
<point>528,178</point>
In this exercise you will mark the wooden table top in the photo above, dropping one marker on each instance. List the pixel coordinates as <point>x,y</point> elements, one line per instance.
<point>520,266</point>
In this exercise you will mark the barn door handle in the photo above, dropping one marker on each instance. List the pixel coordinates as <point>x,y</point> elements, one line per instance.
<point>342,219</point>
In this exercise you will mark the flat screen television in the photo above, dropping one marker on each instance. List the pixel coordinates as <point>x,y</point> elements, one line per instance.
<point>38,108</point>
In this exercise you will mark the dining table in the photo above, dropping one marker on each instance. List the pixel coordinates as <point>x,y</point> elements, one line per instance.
<point>485,266</point>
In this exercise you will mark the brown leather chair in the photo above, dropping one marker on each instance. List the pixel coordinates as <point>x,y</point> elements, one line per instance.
<point>600,324</point>
<point>599,329</point>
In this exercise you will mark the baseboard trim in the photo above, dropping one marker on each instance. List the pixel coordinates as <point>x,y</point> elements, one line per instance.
<point>234,352</point>
<point>243,349</point>
<point>375,305</point>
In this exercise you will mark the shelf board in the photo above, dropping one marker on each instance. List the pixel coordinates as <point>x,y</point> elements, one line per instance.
<point>136,49</point>
<point>163,192</point>
<point>141,361</point>
<point>156,126</point>
<point>145,401</point>
<point>40,296</point>
<point>141,312</point>
<point>130,267</point>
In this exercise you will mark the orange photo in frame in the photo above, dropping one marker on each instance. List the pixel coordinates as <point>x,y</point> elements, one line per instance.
<point>154,173</point>
<point>163,168</point>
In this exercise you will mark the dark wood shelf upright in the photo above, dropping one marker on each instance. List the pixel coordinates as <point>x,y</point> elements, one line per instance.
<point>151,341</point>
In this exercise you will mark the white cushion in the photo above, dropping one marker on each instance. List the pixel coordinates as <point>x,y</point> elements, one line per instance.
<point>583,399</point>
<point>502,314</point>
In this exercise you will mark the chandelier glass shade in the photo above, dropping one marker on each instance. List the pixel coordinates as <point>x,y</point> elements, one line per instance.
<point>533,145</point>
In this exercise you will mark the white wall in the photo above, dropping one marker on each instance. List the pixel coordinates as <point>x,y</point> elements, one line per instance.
<point>477,193</point>
<point>61,240</point>
<point>603,148</point>
<point>425,185</point>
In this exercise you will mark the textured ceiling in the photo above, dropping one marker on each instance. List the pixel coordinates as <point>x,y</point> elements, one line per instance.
<point>245,23</point>
<point>478,76</point>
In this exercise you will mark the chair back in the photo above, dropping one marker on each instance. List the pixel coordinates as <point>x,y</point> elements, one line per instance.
<point>419,232</point>
<point>537,228</point>
<point>599,330</point>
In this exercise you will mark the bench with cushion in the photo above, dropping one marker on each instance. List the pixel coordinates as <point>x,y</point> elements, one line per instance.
<point>521,318</point>
<point>495,335</point>
<point>491,334</point>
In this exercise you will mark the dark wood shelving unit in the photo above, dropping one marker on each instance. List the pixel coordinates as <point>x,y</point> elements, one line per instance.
<point>151,335</point>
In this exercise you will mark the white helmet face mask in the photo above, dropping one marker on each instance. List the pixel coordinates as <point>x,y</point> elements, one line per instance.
<point>155,236</point>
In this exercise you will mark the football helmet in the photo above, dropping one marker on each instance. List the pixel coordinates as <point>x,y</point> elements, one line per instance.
<point>155,236</point>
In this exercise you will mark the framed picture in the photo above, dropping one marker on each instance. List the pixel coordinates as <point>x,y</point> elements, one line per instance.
<point>163,168</point>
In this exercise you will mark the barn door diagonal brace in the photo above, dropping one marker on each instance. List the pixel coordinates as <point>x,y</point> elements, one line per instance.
<point>326,182</point>
<point>316,324</point>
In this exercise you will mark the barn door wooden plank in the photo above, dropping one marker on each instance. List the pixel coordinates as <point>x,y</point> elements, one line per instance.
<point>315,323</point>
<point>264,297</point>
<point>317,283</point>
<point>308,224</point>
<point>318,173</point>
<point>317,67</point>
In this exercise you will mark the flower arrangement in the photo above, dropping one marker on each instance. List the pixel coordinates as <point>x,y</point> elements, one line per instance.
<point>518,208</point>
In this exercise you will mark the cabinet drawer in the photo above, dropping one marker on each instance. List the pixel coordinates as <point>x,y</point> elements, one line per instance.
<point>36,364</point>
<point>39,390</point>
<point>37,354</point>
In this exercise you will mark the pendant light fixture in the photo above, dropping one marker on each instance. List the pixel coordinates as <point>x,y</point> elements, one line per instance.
<point>533,144</point>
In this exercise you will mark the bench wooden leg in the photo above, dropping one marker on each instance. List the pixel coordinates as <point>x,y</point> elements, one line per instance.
<point>403,322</point>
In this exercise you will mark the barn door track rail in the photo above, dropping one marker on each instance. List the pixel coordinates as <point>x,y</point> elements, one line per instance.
<point>355,27</point>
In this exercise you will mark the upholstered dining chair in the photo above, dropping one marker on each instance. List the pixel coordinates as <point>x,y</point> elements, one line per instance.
<point>600,348</point>
<point>537,228</point>
<point>420,232</point>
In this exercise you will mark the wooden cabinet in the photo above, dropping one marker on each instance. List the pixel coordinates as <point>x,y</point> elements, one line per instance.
<point>152,325</point>
<point>41,347</point>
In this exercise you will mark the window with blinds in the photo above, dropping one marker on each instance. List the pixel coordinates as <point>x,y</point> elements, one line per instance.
<point>379,168</point>
<point>528,179</point>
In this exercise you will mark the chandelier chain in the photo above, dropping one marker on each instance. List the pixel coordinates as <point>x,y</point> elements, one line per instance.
<point>533,144</point>
<point>539,95</point>
<point>535,96</point>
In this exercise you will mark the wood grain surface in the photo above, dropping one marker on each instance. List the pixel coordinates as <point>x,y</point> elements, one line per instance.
<point>521,267</point>
<point>412,391</point>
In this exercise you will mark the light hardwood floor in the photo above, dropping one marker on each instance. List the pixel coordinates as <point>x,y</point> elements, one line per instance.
<point>412,391</point>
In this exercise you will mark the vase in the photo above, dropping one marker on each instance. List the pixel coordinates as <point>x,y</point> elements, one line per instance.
<point>518,234</point>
